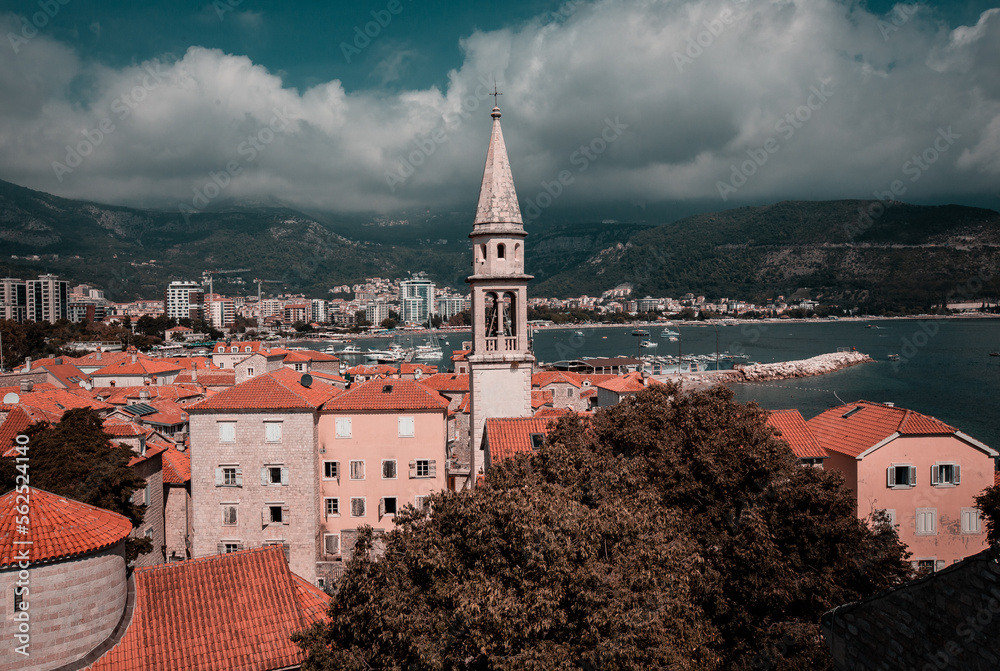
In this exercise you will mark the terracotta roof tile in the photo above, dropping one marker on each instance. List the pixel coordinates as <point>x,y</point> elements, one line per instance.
<point>447,382</point>
<point>226,612</point>
<point>223,348</point>
<point>52,403</point>
<point>373,369</point>
<point>388,395</point>
<point>152,450</point>
<point>548,377</point>
<point>853,428</point>
<point>59,527</point>
<point>68,375</point>
<point>142,366</point>
<point>308,355</point>
<point>792,428</point>
<point>279,390</point>
<point>625,384</point>
<point>540,397</point>
<point>208,378</point>
<point>16,422</point>
<point>411,368</point>
<point>508,436</point>
<point>176,467</point>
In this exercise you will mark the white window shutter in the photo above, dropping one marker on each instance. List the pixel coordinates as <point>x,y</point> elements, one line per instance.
<point>263,476</point>
<point>284,475</point>
<point>381,507</point>
<point>218,477</point>
<point>239,477</point>
<point>913,476</point>
<point>935,474</point>
<point>265,516</point>
<point>285,515</point>
<point>939,565</point>
<point>890,476</point>
<point>432,468</point>
<point>958,474</point>
<point>221,547</point>
<point>413,469</point>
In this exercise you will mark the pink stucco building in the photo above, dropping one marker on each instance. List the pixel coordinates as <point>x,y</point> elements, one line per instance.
<point>923,472</point>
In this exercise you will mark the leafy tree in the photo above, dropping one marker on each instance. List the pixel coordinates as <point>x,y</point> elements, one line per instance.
<point>436,321</point>
<point>388,323</point>
<point>672,531</point>
<point>76,458</point>
<point>988,502</point>
<point>463,318</point>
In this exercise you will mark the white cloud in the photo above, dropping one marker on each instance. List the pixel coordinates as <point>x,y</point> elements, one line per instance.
<point>688,121</point>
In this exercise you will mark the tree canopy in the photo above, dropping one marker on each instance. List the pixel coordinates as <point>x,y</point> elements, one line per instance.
<point>671,531</point>
<point>76,458</point>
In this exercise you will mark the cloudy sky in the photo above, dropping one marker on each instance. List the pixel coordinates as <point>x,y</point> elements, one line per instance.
<point>618,110</point>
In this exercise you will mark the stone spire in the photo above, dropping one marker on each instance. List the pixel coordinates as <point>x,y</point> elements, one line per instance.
<point>497,198</point>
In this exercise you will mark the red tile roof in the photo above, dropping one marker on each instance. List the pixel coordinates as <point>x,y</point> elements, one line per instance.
<point>99,359</point>
<point>508,436</point>
<point>540,397</point>
<point>868,424</point>
<point>143,366</point>
<point>372,369</point>
<point>323,375</point>
<point>176,467</point>
<point>152,450</point>
<point>625,384</point>
<point>59,527</point>
<point>129,395</point>
<point>388,395</point>
<point>16,422</point>
<point>279,390</point>
<point>548,377</point>
<point>298,356</point>
<point>208,378</point>
<point>223,348</point>
<point>120,429</point>
<point>460,355</point>
<point>49,405</point>
<point>555,413</point>
<point>68,375</point>
<point>226,612</point>
<point>447,382</point>
<point>792,428</point>
<point>411,368</point>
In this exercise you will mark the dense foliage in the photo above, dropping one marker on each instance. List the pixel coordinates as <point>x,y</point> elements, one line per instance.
<point>674,532</point>
<point>75,458</point>
<point>988,502</point>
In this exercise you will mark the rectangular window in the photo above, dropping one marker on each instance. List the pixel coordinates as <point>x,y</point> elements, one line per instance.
<point>946,474</point>
<point>387,506</point>
<point>146,495</point>
<point>332,507</point>
<point>18,597</point>
<point>926,521</point>
<point>299,367</point>
<point>388,469</point>
<point>229,476</point>
<point>420,502</point>
<point>357,470</point>
<point>227,547</point>
<point>274,475</point>
<point>971,521</point>
<point>229,516</point>
<point>331,470</point>
<point>343,427</point>
<point>358,506</point>
<point>537,440</point>
<point>423,468</point>
<point>227,432</point>
<point>925,566</point>
<point>331,544</point>
<point>275,513</point>
<point>901,475</point>
<point>405,425</point>
<point>272,432</point>
<point>249,372</point>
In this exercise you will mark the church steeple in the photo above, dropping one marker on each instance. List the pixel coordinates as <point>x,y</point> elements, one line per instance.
<point>497,197</point>
<point>501,362</point>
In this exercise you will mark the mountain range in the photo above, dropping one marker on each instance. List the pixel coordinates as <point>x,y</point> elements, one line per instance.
<point>874,254</point>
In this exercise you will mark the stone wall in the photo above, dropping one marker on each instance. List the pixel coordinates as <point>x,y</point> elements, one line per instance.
<point>152,471</point>
<point>74,606</point>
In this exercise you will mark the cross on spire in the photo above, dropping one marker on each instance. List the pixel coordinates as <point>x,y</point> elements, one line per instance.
<point>495,93</point>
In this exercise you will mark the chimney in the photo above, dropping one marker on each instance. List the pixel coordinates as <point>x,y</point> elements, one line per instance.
<point>135,356</point>
<point>26,386</point>
<point>98,357</point>
<point>27,364</point>
<point>144,394</point>
<point>57,361</point>
<point>194,371</point>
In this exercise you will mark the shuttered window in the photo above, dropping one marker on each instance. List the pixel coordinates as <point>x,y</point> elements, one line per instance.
<point>343,427</point>
<point>405,426</point>
<point>926,519</point>
<point>358,506</point>
<point>357,469</point>
<point>227,432</point>
<point>331,544</point>
<point>272,432</point>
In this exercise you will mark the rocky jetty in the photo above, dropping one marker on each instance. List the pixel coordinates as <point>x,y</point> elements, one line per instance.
<point>783,370</point>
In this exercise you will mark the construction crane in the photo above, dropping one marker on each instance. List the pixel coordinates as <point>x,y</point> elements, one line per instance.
<point>212,273</point>
<point>260,281</point>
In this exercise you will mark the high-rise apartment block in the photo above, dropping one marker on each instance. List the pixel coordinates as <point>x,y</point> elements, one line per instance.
<point>185,300</point>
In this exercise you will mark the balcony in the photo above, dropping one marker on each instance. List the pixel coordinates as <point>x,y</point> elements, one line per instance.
<point>501,344</point>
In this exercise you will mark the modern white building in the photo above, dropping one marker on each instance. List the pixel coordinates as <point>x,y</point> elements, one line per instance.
<point>184,300</point>
<point>416,300</point>
<point>377,311</point>
<point>13,299</point>
<point>449,306</point>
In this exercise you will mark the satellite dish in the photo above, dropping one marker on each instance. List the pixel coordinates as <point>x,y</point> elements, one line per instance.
<point>306,380</point>
<point>83,384</point>
<point>417,374</point>
<point>88,386</point>
<point>11,399</point>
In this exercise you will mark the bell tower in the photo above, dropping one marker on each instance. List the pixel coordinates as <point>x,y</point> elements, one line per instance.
<point>501,362</point>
